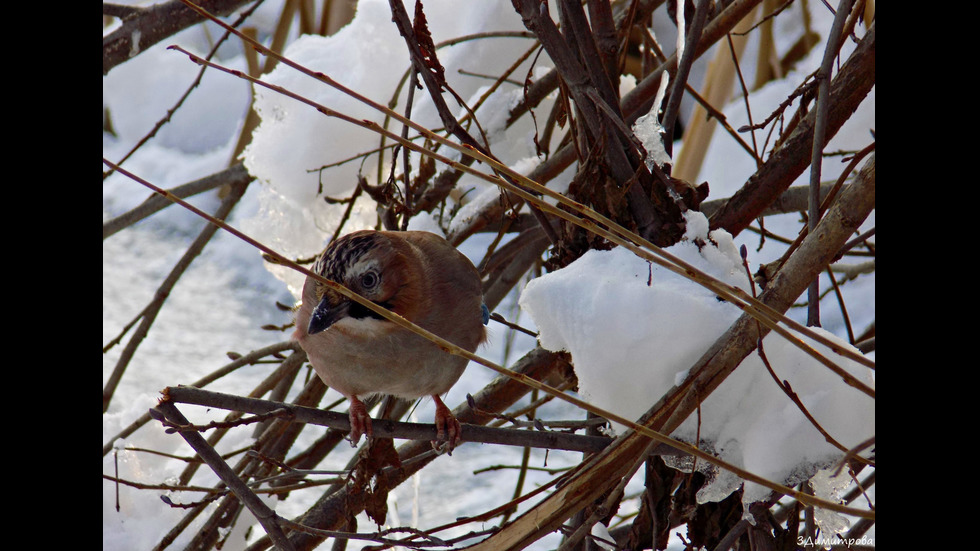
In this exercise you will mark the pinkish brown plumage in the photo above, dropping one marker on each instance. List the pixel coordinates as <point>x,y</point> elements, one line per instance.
<point>417,275</point>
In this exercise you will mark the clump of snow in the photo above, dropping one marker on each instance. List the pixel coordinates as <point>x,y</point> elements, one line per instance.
<point>634,329</point>
<point>294,141</point>
<point>622,318</point>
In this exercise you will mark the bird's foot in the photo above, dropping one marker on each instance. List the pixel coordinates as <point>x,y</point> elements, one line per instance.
<point>448,428</point>
<point>360,422</point>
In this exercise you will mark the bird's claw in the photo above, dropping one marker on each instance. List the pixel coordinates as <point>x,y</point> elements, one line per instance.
<point>360,422</point>
<point>448,429</point>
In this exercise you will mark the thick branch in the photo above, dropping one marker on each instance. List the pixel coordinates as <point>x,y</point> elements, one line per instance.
<point>147,26</point>
<point>848,90</point>
<point>386,428</point>
<point>794,199</point>
<point>683,70</point>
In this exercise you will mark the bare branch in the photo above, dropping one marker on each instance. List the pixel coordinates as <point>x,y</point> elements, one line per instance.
<point>385,428</point>
<point>145,27</point>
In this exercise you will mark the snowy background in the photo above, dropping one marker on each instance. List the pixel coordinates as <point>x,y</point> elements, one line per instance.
<point>630,341</point>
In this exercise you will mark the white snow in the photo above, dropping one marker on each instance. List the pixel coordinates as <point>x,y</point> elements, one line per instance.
<point>633,329</point>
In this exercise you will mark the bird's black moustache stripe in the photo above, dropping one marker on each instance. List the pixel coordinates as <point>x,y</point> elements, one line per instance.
<point>359,311</point>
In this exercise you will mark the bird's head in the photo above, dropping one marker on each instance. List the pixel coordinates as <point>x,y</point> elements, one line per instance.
<point>369,264</point>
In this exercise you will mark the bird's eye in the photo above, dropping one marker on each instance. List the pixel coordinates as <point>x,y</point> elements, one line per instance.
<point>369,280</point>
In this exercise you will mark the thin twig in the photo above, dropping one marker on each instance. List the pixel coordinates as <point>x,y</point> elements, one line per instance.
<point>843,306</point>
<point>819,139</point>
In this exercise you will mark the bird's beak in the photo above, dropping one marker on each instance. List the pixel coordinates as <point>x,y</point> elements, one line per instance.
<point>326,314</point>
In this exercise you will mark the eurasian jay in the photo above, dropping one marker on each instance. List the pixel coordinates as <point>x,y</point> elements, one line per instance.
<point>357,352</point>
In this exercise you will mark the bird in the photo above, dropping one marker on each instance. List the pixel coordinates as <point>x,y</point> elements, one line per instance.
<point>354,350</point>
